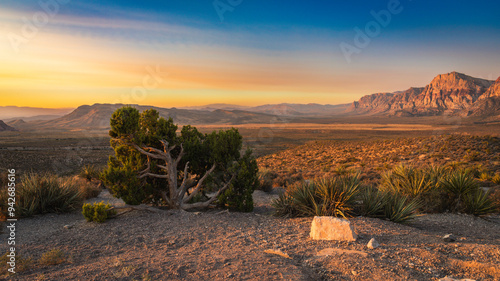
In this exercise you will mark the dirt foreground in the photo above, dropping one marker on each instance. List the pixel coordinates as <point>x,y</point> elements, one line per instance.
<point>220,245</point>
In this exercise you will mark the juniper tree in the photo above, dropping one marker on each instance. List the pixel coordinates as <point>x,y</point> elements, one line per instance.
<point>154,164</point>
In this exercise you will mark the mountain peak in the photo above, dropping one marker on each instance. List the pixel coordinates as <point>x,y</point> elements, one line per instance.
<point>5,127</point>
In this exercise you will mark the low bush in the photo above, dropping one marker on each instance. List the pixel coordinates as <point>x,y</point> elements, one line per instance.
<point>53,257</point>
<point>266,180</point>
<point>21,262</point>
<point>98,212</point>
<point>90,172</point>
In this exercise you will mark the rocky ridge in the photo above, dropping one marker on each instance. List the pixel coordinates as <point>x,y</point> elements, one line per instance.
<point>453,93</point>
<point>5,127</point>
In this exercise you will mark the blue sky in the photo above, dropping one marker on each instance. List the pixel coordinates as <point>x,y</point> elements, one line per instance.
<point>261,52</point>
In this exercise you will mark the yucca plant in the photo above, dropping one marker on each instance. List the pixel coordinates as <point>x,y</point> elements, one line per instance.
<point>372,203</point>
<point>305,199</point>
<point>39,194</point>
<point>338,195</point>
<point>479,203</point>
<point>458,184</point>
<point>284,206</point>
<point>409,181</point>
<point>325,197</point>
<point>400,209</point>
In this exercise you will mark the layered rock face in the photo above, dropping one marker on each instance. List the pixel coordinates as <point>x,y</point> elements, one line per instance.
<point>453,93</point>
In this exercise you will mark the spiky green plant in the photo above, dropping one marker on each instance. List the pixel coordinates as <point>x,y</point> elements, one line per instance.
<point>305,199</point>
<point>325,197</point>
<point>338,195</point>
<point>458,184</point>
<point>45,193</point>
<point>479,203</point>
<point>400,209</point>
<point>409,181</point>
<point>284,206</point>
<point>372,203</point>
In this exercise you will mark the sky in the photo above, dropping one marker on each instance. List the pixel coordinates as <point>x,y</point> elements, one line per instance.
<point>174,53</point>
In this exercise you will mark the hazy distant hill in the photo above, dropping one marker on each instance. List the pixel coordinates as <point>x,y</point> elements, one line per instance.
<point>97,117</point>
<point>453,93</point>
<point>288,109</point>
<point>5,127</point>
<point>27,113</point>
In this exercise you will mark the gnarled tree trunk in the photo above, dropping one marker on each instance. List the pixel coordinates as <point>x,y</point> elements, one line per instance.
<point>177,197</point>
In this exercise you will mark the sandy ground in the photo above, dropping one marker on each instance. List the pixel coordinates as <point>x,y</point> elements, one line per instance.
<point>221,245</point>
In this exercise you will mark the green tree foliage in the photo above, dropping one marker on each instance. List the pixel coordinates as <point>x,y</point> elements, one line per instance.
<point>239,195</point>
<point>143,142</point>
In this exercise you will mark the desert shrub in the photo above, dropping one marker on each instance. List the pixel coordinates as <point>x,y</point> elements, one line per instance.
<point>265,178</point>
<point>98,212</point>
<point>89,190</point>
<point>22,263</point>
<point>479,203</point>
<point>46,193</point>
<point>53,257</point>
<point>325,197</point>
<point>496,178</point>
<point>89,172</point>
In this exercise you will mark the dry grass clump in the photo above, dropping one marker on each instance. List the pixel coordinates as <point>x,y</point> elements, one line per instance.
<point>48,193</point>
<point>53,257</point>
<point>22,264</point>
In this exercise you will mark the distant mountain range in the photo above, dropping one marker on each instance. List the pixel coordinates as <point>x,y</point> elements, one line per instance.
<point>282,109</point>
<point>8,113</point>
<point>97,116</point>
<point>453,93</point>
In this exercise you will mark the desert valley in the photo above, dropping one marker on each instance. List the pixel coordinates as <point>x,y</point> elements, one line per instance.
<point>450,125</point>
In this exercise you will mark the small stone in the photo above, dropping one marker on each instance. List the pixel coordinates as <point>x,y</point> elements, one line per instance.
<point>449,238</point>
<point>68,226</point>
<point>277,252</point>
<point>453,279</point>
<point>372,244</point>
<point>332,228</point>
<point>354,272</point>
